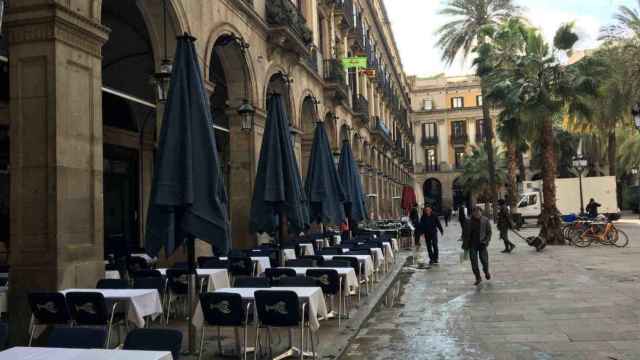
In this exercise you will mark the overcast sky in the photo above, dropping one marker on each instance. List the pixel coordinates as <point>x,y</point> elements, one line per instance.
<point>414,23</point>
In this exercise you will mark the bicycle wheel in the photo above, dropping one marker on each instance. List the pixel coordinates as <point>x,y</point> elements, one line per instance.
<point>582,240</point>
<point>623,239</point>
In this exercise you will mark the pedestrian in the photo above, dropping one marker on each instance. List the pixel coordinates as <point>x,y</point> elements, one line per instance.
<point>592,208</point>
<point>476,239</point>
<point>462,215</point>
<point>414,217</point>
<point>504,225</point>
<point>429,226</point>
<point>447,216</point>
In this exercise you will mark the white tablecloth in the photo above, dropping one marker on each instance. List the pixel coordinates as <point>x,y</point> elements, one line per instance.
<point>348,274</point>
<point>36,353</point>
<point>112,274</point>
<point>388,251</point>
<point>364,259</point>
<point>3,299</point>
<point>307,249</point>
<point>141,302</point>
<point>394,244</point>
<point>216,278</point>
<point>312,295</point>
<point>146,257</point>
<point>289,254</point>
<point>263,262</point>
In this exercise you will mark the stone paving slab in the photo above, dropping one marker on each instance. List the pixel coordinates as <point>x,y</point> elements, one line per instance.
<point>563,303</point>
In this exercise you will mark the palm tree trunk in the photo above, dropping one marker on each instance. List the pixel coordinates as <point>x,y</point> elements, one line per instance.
<point>612,152</point>
<point>550,216</point>
<point>521,168</point>
<point>512,169</point>
<point>488,147</point>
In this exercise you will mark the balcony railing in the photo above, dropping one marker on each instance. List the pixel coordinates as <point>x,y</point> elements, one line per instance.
<point>282,13</point>
<point>361,106</point>
<point>429,141</point>
<point>347,15</point>
<point>335,77</point>
<point>312,60</point>
<point>459,139</point>
<point>381,129</point>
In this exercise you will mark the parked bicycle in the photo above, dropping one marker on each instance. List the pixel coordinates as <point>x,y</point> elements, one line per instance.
<point>602,232</point>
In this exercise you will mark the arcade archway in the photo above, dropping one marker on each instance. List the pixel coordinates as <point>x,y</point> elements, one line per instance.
<point>432,190</point>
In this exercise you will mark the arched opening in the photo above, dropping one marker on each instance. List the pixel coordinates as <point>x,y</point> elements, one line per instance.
<point>279,84</point>
<point>330,126</point>
<point>460,197</point>
<point>344,134</point>
<point>229,75</point>
<point>432,190</point>
<point>308,120</point>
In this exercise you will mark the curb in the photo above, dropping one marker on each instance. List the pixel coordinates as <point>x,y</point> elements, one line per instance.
<point>334,345</point>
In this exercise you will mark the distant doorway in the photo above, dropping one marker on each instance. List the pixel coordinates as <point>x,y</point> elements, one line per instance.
<point>432,190</point>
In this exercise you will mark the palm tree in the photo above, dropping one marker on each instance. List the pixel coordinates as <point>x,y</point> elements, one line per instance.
<point>460,36</point>
<point>475,175</point>
<point>544,90</point>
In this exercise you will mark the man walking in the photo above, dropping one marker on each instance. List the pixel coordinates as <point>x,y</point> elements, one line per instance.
<point>477,236</point>
<point>504,224</point>
<point>429,226</point>
<point>414,217</point>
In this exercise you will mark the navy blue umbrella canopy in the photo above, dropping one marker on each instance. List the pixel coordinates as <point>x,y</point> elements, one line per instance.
<point>187,193</point>
<point>352,184</point>
<point>278,188</point>
<point>322,186</point>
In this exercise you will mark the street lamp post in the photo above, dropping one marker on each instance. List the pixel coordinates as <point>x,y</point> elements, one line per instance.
<point>580,164</point>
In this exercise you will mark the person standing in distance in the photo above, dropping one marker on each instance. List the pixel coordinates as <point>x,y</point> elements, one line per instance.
<point>414,217</point>
<point>504,224</point>
<point>429,226</point>
<point>476,239</point>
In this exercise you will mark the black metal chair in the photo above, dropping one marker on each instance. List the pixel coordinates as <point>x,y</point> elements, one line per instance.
<point>331,251</point>
<point>157,283</point>
<point>90,308</point>
<point>112,284</point>
<point>275,274</point>
<point>4,335</point>
<point>300,263</point>
<point>225,310</point>
<point>296,281</point>
<point>214,263</point>
<point>177,288</point>
<point>181,265</point>
<point>359,270</point>
<point>332,285</point>
<point>77,338</point>
<point>317,258</point>
<point>236,253</point>
<point>47,308</point>
<point>336,263</point>
<point>251,282</point>
<point>146,273</point>
<point>136,263</point>
<point>241,266</point>
<point>154,340</point>
<point>280,309</point>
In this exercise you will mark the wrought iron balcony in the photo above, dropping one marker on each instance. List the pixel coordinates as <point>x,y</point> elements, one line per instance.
<point>312,60</point>
<point>361,108</point>
<point>430,141</point>
<point>287,27</point>
<point>344,10</point>
<point>459,139</point>
<point>335,79</point>
<point>381,130</point>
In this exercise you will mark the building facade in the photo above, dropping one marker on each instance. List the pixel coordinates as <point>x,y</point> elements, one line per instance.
<point>79,120</point>
<point>448,122</point>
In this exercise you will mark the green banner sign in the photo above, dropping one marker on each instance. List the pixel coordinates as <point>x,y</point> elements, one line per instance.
<point>354,62</point>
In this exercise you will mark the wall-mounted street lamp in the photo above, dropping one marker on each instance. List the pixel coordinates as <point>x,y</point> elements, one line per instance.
<point>247,114</point>
<point>580,164</point>
<point>162,78</point>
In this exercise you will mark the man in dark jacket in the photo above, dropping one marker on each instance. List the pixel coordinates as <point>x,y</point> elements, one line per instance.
<point>429,226</point>
<point>592,208</point>
<point>476,238</point>
<point>504,224</point>
<point>414,216</point>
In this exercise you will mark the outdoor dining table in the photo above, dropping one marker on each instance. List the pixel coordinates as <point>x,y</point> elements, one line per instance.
<point>41,353</point>
<point>364,260</point>
<point>141,302</point>
<point>216,278</point>
<point>263,262</point>
<point>289,254</point>
<point>312,295</point>
<point>307,249</point>
<point>112,274</point>
<point>349,275</point>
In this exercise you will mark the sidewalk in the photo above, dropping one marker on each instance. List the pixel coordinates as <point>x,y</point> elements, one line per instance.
<point>563,303</point>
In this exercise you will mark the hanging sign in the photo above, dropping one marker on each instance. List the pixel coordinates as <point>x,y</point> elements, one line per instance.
<point>370,73</point>
<point>354,62</point>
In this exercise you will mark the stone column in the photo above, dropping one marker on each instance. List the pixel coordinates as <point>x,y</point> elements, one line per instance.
<point>56,152</point>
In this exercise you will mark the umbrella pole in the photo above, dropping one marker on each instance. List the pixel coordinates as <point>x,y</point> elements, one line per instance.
<point>191,254</point>
<point>284,233</point>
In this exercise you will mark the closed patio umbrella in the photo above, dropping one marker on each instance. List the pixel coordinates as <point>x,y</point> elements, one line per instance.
<point>278,200</point>
<point>355,206</point>
<point>322,185</point>
<point>187,192</point>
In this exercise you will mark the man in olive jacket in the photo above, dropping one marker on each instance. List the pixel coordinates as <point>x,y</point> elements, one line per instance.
<point>476,239</point>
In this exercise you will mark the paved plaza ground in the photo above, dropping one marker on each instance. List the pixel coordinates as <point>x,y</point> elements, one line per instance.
<point>563,303</point>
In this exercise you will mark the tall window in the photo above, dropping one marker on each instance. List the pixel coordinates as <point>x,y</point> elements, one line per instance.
<point>430,160</point>
<point>457,102</point>
<point>479,130</point>
<point>320,34</point>
<point>479,100</point>
<point>429,130</point>
<point>458,129</point>
<point>428,104</point>
<point>459,156</point>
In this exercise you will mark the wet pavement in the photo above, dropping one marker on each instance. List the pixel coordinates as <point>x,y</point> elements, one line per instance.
<point>563,303</point>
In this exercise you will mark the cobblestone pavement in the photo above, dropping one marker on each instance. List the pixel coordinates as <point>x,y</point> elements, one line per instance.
<point>563,303</point>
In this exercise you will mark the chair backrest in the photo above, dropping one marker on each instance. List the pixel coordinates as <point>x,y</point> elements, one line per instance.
<point>181,265</point>
<point>251,282</point>
<point>240,266</point>
<point>4,335</point>
<point>236,253</point>
<point>278,308</point>
<point>222,309</point>
<point>331,251</point>
<point>136,263</point>
<point>49,308</point>
<point>178,281</point>
<point>88,308</point>
<point>336,263</point>
<point>77,337</point>
<point>297,281</point>
<point>317,258</point>
<point>154,340</point>
<point>146,273</point>
<point>112,284</point>
<point>327,279</point>
<point>360,252</point>
<point>214,263</point>
<point>275,274</point>
<point>353,262</point>
<point>300,263</point>
<point>149,283</point>
<point>203,259</point>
